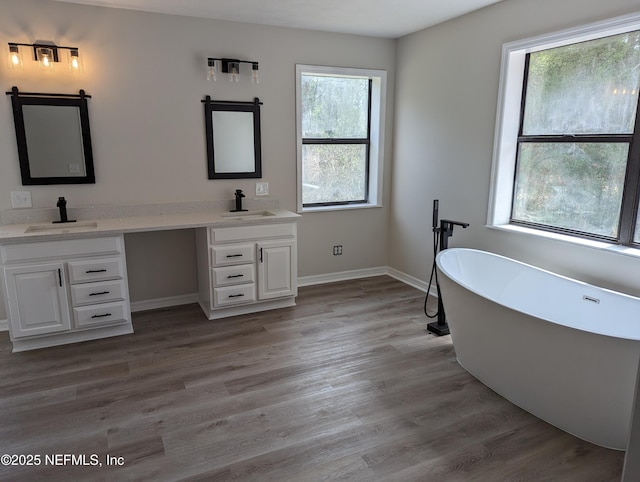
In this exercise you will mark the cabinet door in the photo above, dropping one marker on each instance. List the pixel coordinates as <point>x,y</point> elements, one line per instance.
<point>37,299</point>
<point>277,269</point>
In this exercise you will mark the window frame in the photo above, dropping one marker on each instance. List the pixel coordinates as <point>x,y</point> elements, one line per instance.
<point>509,135</point>
<point>374,141</point>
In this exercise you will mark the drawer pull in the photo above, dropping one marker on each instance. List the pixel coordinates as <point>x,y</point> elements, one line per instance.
<point>235,255</point>
<point>96,271</point>
<point>100,293</point>
<point>235,276</point>
<point>101,316</point>
<point>236,296</point>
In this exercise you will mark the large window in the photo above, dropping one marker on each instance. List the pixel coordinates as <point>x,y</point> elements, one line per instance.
<point>573,157</point>
<point>339,137</point>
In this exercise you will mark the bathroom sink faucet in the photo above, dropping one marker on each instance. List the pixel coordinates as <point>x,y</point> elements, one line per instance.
<point>239,196</point>
<point>62,206</point>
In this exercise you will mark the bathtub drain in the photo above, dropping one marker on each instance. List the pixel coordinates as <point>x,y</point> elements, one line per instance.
<point>589,298</point>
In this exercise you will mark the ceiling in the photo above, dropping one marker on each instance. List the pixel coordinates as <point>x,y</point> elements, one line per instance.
<point>379,18</point>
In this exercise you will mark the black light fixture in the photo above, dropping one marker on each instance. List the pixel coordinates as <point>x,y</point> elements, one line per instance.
<point>46,53</point>
<point>231,67</point>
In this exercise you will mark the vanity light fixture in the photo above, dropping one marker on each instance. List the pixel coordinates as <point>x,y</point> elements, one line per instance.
<point>46,53</point>
<point>231,67</point>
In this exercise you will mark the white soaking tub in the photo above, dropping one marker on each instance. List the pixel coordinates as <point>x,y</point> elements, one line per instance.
<point>563,350</point>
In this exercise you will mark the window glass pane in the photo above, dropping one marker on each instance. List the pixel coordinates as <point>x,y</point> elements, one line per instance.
<point>333,173</point>
<point>574,186</point>
<point>334,107</point>
<point>585,88</point>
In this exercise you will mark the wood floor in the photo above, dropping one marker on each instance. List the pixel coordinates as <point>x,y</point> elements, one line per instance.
<point>347,385</point>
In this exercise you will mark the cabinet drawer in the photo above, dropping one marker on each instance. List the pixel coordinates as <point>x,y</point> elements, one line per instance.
<point>233,254</point>
<point>233,275</point>
<point>95,270</point>
<point>230,295</point>
<point>99,315</point>
<point>101,292</point>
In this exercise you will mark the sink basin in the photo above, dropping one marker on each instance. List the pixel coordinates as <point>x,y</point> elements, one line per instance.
<point>247,215</point>
<point>61,226</point>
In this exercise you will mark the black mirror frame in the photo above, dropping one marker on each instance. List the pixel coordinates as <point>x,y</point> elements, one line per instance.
<point>232,106</point>
<point>18,99</point>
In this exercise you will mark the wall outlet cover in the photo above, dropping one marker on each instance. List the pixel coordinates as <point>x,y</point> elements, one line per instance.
<point>262,188</point>
<point>21,199</point>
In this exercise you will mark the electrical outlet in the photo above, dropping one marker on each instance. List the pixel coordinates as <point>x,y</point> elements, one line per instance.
<point>262,188</point>
<point>21,199</point>
<point>337,250</point>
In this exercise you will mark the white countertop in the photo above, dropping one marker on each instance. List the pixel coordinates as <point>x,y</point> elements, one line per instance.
<point>12,233</point>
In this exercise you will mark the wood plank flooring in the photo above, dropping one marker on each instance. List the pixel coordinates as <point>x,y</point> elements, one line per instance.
<point>347,385</point>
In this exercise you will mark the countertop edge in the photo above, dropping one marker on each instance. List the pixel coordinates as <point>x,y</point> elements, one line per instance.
<point>15,233</point>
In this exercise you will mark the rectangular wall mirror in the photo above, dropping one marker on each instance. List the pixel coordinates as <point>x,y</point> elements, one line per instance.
<point>233,139</point>
<point>53,138</point>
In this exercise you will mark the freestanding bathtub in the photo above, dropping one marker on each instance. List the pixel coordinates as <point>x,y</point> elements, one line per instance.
<point>563,350</point>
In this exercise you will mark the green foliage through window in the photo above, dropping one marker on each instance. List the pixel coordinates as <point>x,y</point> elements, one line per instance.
<point>576,138</point>
<point>335,113</point>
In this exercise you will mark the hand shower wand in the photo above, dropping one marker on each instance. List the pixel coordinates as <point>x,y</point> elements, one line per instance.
<point>445,231</point>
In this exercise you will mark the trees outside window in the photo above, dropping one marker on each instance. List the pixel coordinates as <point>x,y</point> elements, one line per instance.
<point>576,153</point>
<point>340,121</point>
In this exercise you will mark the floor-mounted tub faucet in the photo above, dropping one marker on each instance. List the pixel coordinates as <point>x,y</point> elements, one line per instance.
<point>239,196</point>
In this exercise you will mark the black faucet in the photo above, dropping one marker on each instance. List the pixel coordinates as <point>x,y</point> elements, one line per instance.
<point>239,196</point>
<point>62,205</point>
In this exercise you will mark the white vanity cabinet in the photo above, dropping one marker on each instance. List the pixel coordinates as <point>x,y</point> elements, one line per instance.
<point>65,291</point>
<point>245,269</point>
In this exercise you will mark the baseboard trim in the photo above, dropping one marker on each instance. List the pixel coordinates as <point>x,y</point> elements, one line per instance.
<point>412,281</point>
<point>157,303</point>
<point>4,325</point>
<point>340,276</point>
<point>367,273</point>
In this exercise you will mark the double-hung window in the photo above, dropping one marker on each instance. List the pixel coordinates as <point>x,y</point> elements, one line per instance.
<point>567,156</point>
<point>340,125</point>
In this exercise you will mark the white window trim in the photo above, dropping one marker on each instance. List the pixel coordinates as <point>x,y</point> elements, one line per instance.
<point>376,146</point>
<point>508,118</point>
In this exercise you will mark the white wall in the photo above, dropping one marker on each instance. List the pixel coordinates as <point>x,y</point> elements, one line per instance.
<point>446,97</point>
<point>147,75</point>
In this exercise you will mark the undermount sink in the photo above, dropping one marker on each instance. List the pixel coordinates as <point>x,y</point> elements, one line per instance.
<point>247,214</point>
<point>61,226</point>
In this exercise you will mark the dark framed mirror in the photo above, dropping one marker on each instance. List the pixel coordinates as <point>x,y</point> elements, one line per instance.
<point>233,139</point>
<point>53,137</point>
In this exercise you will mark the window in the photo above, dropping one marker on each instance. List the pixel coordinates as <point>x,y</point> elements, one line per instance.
<point>340,115</point>
<point>567,154</point>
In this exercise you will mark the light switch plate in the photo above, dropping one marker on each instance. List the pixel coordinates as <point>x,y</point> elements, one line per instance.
<point>21,199</point>
<point>262,188</point>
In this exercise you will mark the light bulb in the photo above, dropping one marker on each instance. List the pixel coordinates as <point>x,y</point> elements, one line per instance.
<point>233,75</point>
<point>46,61</point>
<point>211,70</point>
<point>15,58</point>
<point>233,69</point>
<point>255,78</point>
<point>75,64</point>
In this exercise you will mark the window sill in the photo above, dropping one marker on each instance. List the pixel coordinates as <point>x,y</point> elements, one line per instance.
<point>342,207</point>
<point>588,243</point>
